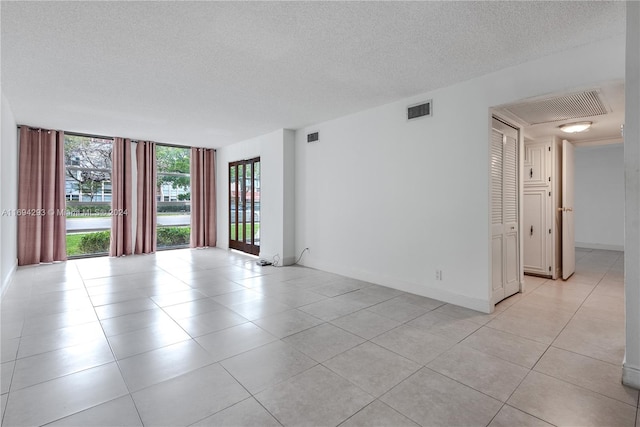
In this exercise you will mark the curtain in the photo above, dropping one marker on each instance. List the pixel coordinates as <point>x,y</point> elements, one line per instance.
<point>41,197</point>
<point>146,196</point>
<point>121,205</point>
<point>203,198</point>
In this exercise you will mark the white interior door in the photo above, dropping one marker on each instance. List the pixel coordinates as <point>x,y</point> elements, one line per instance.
<point>568,237</point>
<point>504,211</point>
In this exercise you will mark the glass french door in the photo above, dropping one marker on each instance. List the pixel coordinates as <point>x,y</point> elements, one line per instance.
<point>244,205</point>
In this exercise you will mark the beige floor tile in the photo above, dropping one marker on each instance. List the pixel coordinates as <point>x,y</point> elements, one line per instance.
<point>414,343</point>
<point>247,413</point>
<point>317,397</point>
<point>366,324</point>
<point>445,326</point>
<point>431,399</point>
<point>372,368</point>
<point>561,403</point>
<point>515,349</point>
<point>212,321</point>
<point>610,288</point>
<point>143,340</point>
<point>6,370</point>
<point>532,323</point>
<point>487,374</point>
<point>57,363</point>
<point>378,414</point>
<point>124,308</point>
<point>181,383</point>
<point>592,374</point>
<point>598,338</point>
<point>152,367</point>
<point>398,310</point>
<point>287,323</point>
<point>324,341</point>
<point>189,398</point>
<point>119,412</point>
<point>57,339</point>
<point>270,364</point>
<point>462,313</point>
<point>235,340</point>
<point>545,302</point>
<point>192,308</point>
<point>511,417</point>
<point>604,307</point>
<point>9,349</point>
<point>51,400</point>
<point>257,309</point>
<point>331,308</point>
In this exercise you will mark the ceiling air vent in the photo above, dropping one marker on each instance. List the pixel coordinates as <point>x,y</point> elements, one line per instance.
<point>420,110</point>
<point>566,107</point>
<point>313,137</point>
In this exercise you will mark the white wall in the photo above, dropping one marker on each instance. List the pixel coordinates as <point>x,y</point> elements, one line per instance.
<point>276,191</point>
<point>8,194</point>
<point>631,366</point>
<point>390,201</point>
<point>599,197</point>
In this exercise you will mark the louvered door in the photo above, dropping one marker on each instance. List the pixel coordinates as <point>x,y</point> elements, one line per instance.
<point>504,211</point>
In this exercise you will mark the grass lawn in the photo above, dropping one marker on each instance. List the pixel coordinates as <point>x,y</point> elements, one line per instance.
<point>73,242</point>
<point>256,227</point>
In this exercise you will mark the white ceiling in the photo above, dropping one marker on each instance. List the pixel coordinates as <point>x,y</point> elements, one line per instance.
<point>214,73</point>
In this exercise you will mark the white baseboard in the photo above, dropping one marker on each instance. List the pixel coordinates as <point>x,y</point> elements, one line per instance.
<point>413,288</point>
<point>599,246</point>
<point>630,376</point>
<point>7,280</point>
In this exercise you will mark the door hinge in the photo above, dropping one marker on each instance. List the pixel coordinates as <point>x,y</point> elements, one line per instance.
<point>549,269</point>
<point>549,231</point>
<point>549,193</point>
<point>549,150</point>
<point>549,179</point>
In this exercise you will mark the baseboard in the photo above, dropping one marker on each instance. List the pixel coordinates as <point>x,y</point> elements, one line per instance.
<point>401,285</point>
<point>7,280</point>
<point>599,246</point>
<point>630,376</point>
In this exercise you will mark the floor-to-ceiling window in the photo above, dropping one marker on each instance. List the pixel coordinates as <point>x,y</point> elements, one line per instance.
<point>173,194</point>
<point>88,194</point>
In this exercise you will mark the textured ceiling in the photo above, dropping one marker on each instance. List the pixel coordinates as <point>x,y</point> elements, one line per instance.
<point>213,73</point>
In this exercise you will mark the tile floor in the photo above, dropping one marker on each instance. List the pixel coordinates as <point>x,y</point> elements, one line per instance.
<point>205,337</point>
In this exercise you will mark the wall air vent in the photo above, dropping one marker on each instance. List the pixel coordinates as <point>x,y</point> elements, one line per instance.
<point>559,108</point>
<point>313,137</point>
<point>419,110</point>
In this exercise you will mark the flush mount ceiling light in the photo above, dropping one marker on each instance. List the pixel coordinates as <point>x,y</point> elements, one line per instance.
<point>575,127</point>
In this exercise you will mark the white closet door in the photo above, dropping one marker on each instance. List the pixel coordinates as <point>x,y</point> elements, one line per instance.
<point>504,211</point>
<point>497,211</point>
<point>535,231</point>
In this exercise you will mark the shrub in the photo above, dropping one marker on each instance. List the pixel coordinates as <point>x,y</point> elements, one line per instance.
<point>164,207</point>
<point>173,236</point>
<point>93,243</point>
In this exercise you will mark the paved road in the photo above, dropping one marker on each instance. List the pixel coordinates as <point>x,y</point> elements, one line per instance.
<point>88,223</point>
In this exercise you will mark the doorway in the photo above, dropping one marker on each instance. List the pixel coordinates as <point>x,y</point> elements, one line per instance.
<point>547,163</point>
<point>244,205</point>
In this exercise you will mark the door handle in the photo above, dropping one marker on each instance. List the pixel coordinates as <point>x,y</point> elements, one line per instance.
<point>531,232</point>
<point>531,173</point>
